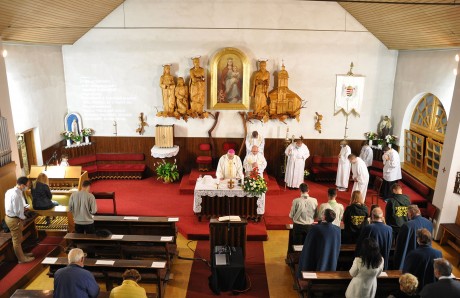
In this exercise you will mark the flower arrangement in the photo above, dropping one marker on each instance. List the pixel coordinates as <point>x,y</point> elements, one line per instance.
<point>67,135</point>
<point>380,142</point>
<point>391,139</point>
<point>167,171</point>
<point>371,135</point>
<point>306,173</point>
<point>254,184</point>
<point>86,132</point>
<point>76,138</point>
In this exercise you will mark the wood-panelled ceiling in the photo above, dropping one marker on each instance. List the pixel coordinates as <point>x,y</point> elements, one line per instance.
<point>425,24</point>
<point>51,21</point>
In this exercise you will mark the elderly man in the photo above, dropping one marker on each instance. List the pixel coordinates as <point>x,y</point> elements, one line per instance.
<point>419,262</point>
<point>446,286</point>
<point>254,160</point>
<point>297,153</point>
<point>360,174</point>
<point>378,230</point>
<point>229,166</point>
<point>14,211</point>
<point>343,167</point>
<point>255,139</point>
<point>73,281</point>
<point>407,240</point>
<point>391,171</point>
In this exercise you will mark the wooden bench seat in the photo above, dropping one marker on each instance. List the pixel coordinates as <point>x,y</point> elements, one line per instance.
<point>21,293</point>
<point>451,236</point>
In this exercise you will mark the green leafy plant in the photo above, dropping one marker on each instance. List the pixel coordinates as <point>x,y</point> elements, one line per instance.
<point>371,135</point>
<point>76,138</point>
<point>254,184</point>
<point>167,171</point>
<point>380,141</point>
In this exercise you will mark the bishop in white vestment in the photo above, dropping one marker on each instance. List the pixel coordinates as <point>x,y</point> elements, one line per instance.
<point>343,169</point>
<point>254,160</point>
<point>360,174</point>
<point>255,139</point>
<point>229,166</point>
<point>297,154</point>
<point>391,171</point>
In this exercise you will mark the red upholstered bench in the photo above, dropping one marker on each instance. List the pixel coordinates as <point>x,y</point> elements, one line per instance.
<point>120,156</point>
<point>324,168</point>
<point>418,192</point>
<point>88,163</point>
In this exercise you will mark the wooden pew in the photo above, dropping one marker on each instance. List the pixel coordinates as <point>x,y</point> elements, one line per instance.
<point>122,246</point>
<point>336,283</point>
<point>107,196</point>
<point>111,271</point>
<point>21,293</point>
<point>29,234</point>
<point>6,248</point>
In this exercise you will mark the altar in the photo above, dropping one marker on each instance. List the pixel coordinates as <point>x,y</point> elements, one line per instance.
<point>213,199</point>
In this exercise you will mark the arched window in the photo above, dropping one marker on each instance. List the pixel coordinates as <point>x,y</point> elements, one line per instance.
<point>424,140</point>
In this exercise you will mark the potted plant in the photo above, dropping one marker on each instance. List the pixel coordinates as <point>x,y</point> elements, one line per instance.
<point>391,140</point>
<point>67,135</point>
<point>87,132</point>
<point>370,136</point>
<point>76,139</point>
<point>380,143</point>
<point>167,171</point>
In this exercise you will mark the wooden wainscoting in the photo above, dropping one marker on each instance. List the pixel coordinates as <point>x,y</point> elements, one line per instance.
<point>189,150</point>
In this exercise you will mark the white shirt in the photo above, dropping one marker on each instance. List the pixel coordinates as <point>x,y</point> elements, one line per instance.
<point>64,163</point>
<point>14,203</point>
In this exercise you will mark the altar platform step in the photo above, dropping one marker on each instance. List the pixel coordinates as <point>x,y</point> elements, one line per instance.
<point>192,229</point>
<point>187,184</point>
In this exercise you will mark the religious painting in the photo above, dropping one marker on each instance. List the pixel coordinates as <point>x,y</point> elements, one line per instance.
<point>349,93</point>
<point>73,123</point>
<point>229,88</point>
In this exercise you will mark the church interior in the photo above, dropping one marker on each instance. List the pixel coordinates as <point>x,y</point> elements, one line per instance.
<point>184,116</point>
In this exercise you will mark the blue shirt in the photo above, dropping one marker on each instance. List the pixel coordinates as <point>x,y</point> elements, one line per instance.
<point>74,282</point>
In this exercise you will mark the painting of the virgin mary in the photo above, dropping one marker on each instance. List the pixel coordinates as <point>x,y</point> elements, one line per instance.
<point>230,80</point>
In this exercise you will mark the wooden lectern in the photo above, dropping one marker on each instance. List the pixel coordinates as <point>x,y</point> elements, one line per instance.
<point>228,233</point>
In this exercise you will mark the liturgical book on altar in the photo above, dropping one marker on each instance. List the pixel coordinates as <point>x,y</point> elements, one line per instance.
<point>230,218</point>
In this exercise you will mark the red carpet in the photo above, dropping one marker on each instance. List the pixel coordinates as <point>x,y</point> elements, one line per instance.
<point>255,269</point>
<point>15,273</point>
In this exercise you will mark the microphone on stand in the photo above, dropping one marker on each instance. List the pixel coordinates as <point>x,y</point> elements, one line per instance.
<point>54,156</point>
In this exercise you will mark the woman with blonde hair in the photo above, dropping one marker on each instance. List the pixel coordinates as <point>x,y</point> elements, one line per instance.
<point>408,284</point>
<point>41,194</point>
<point>354,218</point>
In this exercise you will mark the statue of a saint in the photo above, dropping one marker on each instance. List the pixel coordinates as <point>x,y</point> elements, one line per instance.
<point>385,127</point>
<point>197,86</point>
<point>260,88</point>
<point>181,96</point>
<point>167,87</point>
<point>75,129</point>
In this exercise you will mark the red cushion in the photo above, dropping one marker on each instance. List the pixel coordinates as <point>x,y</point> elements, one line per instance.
<point>121,167</point>
<point>227,146</point>
<point>90,169</point>
<point>416,185</point>
<point>120,156</point>
<point>76,161</point>
<point>325,159</point>
<point>205,147</point>
<point>204,159</point>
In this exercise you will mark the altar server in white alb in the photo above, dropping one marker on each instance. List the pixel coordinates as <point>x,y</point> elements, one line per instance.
<point>367,155</point>
<point>391,171</point>
<point>297,154</point>
<point>254,160</point>
<point>343,169</point>
<point>229,166</point>
<point>255,139</point>
<point>360,174</point>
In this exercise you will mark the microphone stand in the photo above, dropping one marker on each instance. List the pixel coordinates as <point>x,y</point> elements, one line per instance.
<point>53,157</point>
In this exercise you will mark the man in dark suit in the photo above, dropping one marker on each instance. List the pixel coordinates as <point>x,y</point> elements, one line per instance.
<point>382,233</point>
<point>419,262</point>
<point>322,246</point>
<point>446,286</point>
<point>407,238</point>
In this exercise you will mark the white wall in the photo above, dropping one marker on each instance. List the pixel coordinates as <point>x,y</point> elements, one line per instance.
<point>418,73</point>
<point>112,72</point>
<point>37,91</point>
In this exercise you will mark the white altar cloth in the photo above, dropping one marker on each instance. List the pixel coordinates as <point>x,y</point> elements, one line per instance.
<point>159,152</point>
<point>207,186</point>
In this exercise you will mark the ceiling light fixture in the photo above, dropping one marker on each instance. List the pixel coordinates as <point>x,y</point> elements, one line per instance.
<point>4,53</point>
<point>457,58</point>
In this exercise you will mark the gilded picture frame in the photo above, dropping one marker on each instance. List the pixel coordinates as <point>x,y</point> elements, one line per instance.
<point>230,76</point>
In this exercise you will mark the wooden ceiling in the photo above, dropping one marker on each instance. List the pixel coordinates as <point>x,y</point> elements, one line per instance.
<point>418,24</point>
<point>51,21</point>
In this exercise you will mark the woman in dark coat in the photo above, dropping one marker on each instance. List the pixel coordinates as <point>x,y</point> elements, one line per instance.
<point>41,195</point>
<point>354,218</point>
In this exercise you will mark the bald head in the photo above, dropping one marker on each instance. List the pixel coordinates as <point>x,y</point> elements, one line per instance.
<point>377,214</point>
<point>254,150</point>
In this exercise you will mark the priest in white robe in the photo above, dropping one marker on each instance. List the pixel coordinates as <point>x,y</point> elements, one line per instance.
<point>229,166</point>
<point>254,160</point>
<point>343,168</point>
<point>255,139</point>
<point>367,155</point>
<point>360,174</point>
<point>297,153</point>
<point>391,171</point>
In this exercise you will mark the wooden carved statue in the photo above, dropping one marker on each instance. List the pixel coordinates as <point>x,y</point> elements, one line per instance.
<point>181,96</point>
<point>318,117</point>
<point>260,88</point>
<point>197,86</point>
<point>167,86</point>
<point>142,123</point>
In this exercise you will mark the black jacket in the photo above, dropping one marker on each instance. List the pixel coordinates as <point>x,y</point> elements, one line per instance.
<point>41,197</point>
<point>354,218</point>
<point>396,210</point>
